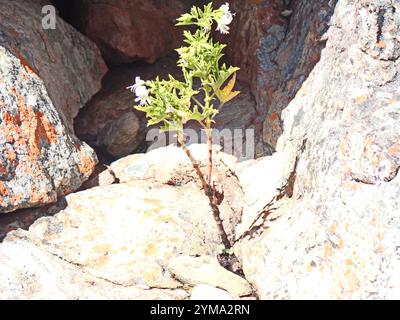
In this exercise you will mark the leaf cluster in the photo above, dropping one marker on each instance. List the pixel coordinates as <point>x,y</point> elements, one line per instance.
<point>172,102</point>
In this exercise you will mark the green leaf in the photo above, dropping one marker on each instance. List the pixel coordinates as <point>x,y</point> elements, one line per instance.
<point>171,101</point>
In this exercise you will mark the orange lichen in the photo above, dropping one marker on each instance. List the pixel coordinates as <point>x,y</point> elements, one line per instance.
<point>361,99</point>
<point>354,186</point>
<point>3,189</point>
<point>44,130</point>
<point>381,44</point>
<point>349,262</point>
<point>332,228</point>
<point>394,150</point>
<point>99,261</point>
<point>86,164</point>
<point>150,250</point>
<point>27,130</point>
<point>16,198</point>
<point>273,116</point>
<point>328,251</point>
<point>24,62</point>
<point>3,171</point>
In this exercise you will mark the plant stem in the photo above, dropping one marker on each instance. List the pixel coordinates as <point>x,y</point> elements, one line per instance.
<point>198,103</point>
<point>209,192</point>
<point>209,136</point>
<point>210,154</point>
<point>193,161</point>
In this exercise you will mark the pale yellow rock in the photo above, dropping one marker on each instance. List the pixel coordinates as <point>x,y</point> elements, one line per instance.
<point>28,271</point>
<point>207,270</point>
<point>126,233</point>
<point>206,292</point>
<point>163,163</point>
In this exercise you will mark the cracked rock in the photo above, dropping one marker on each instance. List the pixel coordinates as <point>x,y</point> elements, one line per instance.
<point>206,270</point>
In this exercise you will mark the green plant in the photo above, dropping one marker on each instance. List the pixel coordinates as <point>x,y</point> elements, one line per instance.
<point>171,103</point>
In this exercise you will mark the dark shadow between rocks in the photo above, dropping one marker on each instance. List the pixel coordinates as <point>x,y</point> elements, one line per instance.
<point>24,218</point>
<point>277,44</point>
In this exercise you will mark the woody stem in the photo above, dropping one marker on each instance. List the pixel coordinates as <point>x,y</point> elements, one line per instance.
<point>209,192</point>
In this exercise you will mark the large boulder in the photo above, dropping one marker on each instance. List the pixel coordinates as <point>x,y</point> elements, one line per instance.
<point>69,64</point>
<point>122,237</point>
<point>332,230</point>
<point>131,30</point>
<point>46,76</point>
<point>277,43</point>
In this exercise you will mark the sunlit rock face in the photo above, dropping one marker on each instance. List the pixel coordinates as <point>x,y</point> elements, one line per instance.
<point>46,76</point>
<point>333,231</point>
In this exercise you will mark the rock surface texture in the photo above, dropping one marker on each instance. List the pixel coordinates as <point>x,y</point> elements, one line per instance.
<point>40,157</point>
<point>318,219</point>
<point>277,43</point>
<point>334,230</point>
<point>68,63</point>
<point>123,236</point>
<point>130,30</point>
<point>206,270</point>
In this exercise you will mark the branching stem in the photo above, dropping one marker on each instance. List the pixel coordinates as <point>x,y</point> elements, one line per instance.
<point>209,191</point>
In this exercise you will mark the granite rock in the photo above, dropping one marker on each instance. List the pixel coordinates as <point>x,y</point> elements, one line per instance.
<point>40,157</point>
<point>333,230</point>
<point>121,236</point>
<point>206,270</point>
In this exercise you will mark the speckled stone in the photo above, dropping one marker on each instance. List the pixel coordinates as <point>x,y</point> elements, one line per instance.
<point>46,76</point>
<point>337,235</point>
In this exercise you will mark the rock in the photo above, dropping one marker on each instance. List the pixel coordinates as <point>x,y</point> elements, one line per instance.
<point>102,179</point>
<point>117,236</point>
<point>335,235</point>
<point>131,30</point>
<point>261,181</point>
<point>276,51</point>
<point>40,157</point>
<point>24,218</point>
<point>206,270</point>
<point>170,166</point>
<point>206,292</point>
<point>43,275</point>
<point>62,53</point>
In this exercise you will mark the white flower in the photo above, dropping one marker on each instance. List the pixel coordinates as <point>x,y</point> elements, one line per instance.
<point>169,109</point>
<point>138,83</point>
<point>225,20</point>
<point>140,91</point>
<point>184,63</point>
<point>142,95</point>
